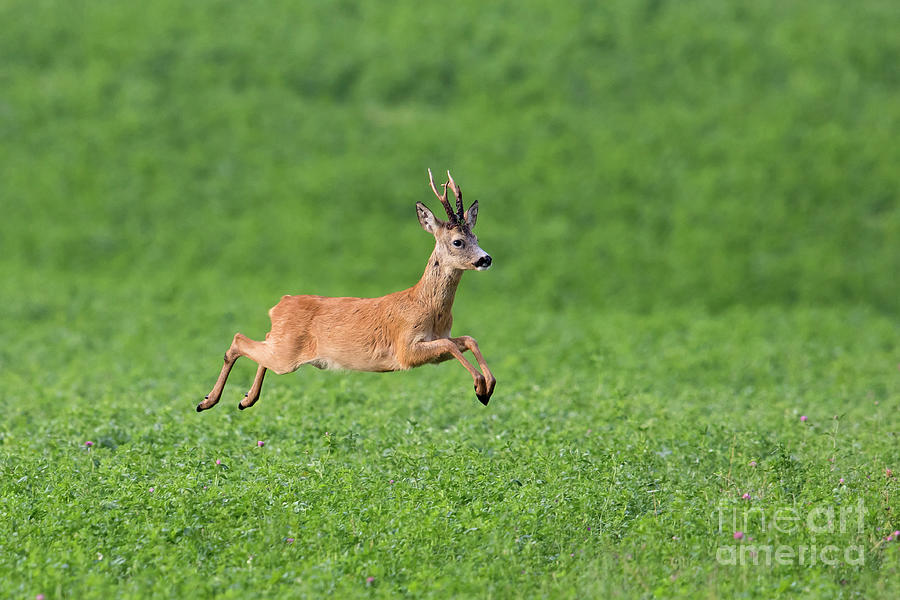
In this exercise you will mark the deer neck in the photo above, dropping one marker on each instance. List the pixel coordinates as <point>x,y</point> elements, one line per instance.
<point>437,288</point>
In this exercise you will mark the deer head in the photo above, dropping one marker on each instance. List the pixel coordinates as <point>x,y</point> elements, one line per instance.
<point>455,244</point>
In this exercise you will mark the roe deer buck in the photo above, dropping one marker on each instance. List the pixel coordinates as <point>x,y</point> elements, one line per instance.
<point>402,330</point>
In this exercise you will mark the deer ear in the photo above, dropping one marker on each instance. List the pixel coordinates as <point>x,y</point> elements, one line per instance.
<point>426,218</point>
<point>472,215</point>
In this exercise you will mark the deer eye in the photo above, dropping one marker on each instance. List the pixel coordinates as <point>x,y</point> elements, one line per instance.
<point>458,243</point>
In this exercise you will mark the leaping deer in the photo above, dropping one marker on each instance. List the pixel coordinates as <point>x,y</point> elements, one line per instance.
<point>399,331</point>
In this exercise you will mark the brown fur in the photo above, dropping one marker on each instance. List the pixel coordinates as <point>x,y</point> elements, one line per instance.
<point>399,331</point>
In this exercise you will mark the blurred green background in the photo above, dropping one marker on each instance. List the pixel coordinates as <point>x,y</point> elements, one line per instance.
<point>627,155</point>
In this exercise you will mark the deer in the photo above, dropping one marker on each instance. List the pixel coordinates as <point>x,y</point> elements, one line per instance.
<point>399,331</point>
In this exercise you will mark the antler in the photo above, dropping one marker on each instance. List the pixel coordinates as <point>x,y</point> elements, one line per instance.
<point>458,193</point>
<point>443,198</point>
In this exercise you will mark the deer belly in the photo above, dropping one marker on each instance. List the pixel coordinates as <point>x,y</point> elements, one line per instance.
<point>327,364</point>
<point>357,361</point>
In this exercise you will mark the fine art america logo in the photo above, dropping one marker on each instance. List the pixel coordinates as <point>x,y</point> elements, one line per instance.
<point>821,525</point>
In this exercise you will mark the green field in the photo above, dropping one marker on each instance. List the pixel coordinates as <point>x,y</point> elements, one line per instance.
<point>692,314</point>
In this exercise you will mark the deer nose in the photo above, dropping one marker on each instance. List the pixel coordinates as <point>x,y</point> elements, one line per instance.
<point>484,262</point>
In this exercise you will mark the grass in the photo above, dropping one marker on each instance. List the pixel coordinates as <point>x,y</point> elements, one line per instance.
<point>692,211</point>
<point>607,478</point>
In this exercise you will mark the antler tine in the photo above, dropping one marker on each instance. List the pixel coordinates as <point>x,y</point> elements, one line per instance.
<point>442,197</point>
<point>458,193</point>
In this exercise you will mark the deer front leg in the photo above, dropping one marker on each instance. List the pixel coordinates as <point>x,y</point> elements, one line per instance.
<point>437,350</point>
<point>469,343</point>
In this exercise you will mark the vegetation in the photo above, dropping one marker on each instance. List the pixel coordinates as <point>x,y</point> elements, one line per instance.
<point>692,209</point>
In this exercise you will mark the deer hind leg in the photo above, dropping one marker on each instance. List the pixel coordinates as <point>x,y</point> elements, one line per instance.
<point>252,396</point>
<point>241,345</point>
<point>274,354</point>
<point>212,398</point>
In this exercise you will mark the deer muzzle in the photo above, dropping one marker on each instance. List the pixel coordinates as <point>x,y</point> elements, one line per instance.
<point>483,263</point>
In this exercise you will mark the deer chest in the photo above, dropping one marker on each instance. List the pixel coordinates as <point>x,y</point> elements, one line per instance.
<point>438,326</point>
